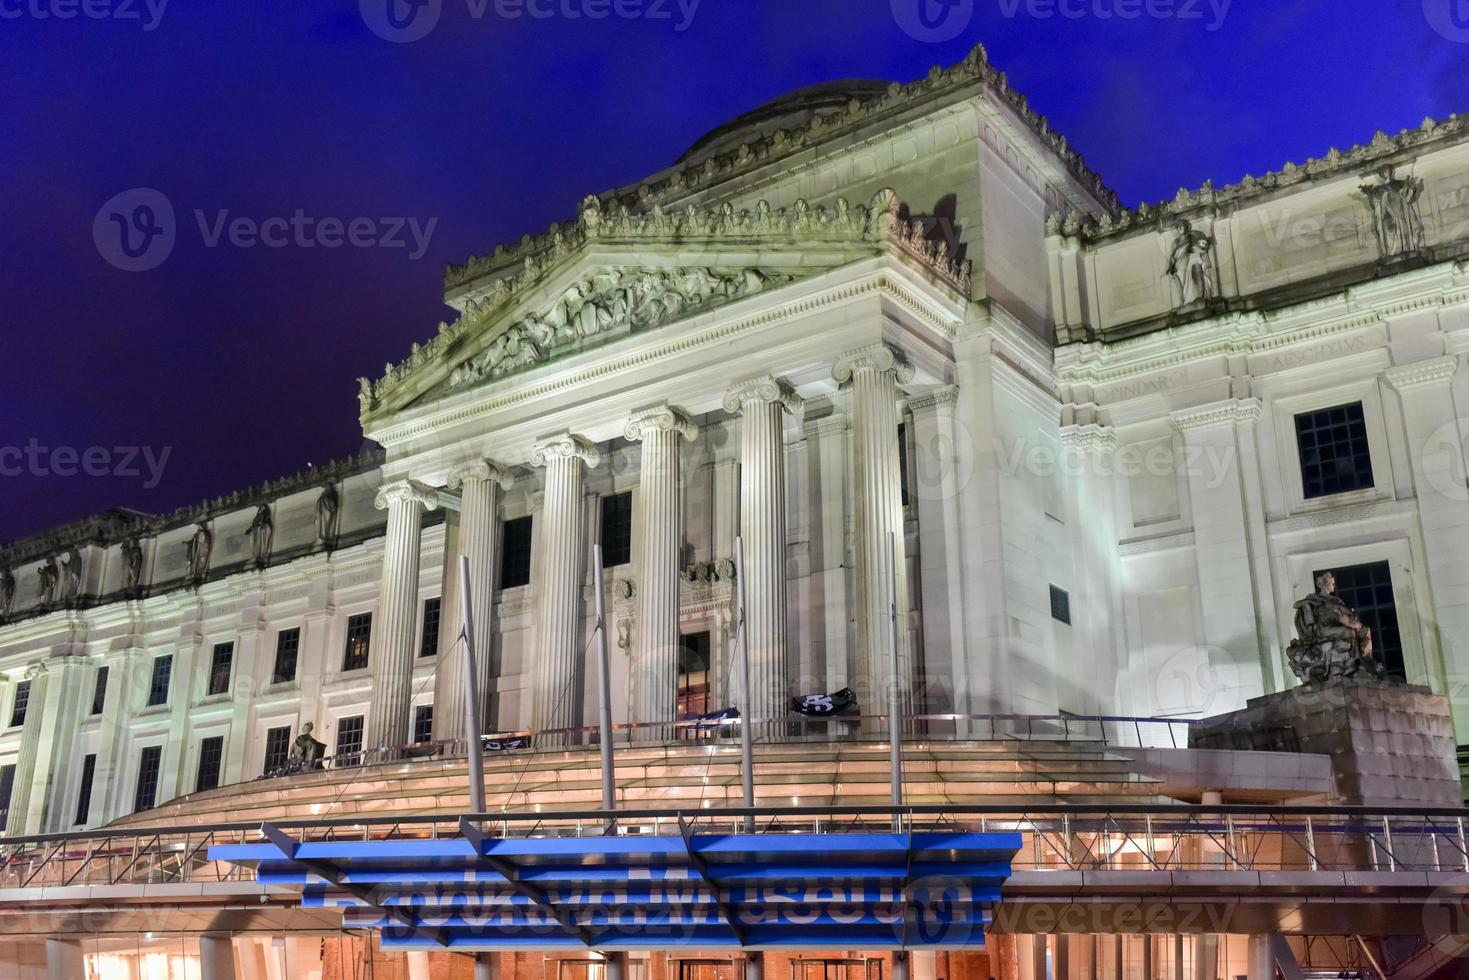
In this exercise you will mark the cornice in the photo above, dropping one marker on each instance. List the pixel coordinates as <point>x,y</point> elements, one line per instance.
<point>1091,438</point>
<point>933,398</point>
<point>1419,374</point>
<point>1231,411</point>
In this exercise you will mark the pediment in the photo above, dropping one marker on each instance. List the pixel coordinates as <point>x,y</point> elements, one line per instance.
<point>613,274</point>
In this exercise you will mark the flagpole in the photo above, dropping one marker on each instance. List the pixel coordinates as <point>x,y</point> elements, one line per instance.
<point>895,699</point>
<point>604,674</point>
<point>747,749</point>
<point>472,721</point>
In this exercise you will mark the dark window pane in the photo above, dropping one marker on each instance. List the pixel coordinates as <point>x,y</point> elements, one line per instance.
<point>158,685</point>
<point>287,649</point>
<point>84,793</point>
<point>211,754</point>
<point>1333,448</point>
<point>277,749</point>
<point>1368,590</point>
<point>616,529</point>
<point>693,675</point>
<point>903,462</point>
<point>515,554</point>
<point>430,644</point>
<point>359,636</point>
<point>1060,605</point>
<point>349,740</point>
<point>99,691</point>
<point>7,786</point>
<point>423,723</point>
<point>149,762</point>
<point>22,701</point>
<point>220,666</point>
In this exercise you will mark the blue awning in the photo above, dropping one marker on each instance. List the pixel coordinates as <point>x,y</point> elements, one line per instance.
<point>703,891</point>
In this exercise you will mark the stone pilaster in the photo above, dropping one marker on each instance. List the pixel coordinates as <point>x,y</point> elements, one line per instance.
<point>1095,591</point>
<point>873,374</point>
<point>763,528</point>
<point>393,630</point>
<point>654,674</point>
<point>481,482</point>
<point>31,776</point>
<point>557,574</point>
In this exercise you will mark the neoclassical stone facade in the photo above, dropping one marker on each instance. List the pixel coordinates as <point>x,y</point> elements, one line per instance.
<point>1108,450</point>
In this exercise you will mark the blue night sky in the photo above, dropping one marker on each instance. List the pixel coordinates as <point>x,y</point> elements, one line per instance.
<point>240,361</point>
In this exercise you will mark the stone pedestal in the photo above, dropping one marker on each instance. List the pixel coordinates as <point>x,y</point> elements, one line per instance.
<point>1390,744</point>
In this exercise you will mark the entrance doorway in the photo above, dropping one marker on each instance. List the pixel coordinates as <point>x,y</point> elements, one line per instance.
<point>839,969</point>
<point>707,970</point>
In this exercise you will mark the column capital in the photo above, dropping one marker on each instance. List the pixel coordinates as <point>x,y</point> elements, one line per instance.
<point>1230,411</point>
<point>764,390</point>
<point>482,470</point>
<point>565,446</point>
<point>875,357</point>
<point>1422,374</point>
<point>406,492</point>
<point>660,418</point>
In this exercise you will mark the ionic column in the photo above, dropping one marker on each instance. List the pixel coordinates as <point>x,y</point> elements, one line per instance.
<point>873,374</point>
<point>557,574</point>
<point>481,483</point>
<point>393,647</point>
<point>654,695</point>
<point>763,528</point>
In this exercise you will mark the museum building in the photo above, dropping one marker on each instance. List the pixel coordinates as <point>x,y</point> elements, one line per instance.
<point>1109,450</point>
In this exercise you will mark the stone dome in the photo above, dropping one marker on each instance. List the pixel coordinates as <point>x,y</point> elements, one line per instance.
<point>788,111</point>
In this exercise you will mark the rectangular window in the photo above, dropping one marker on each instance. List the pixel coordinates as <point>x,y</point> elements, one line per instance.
<point>1333,447</point>
<point>162,675</point>
<point>220,666</point>
<point>349,740</point>
<point>211,754</point>
<point>903,462</point>
<point>287,649</point>
<point>515,553</point>
<point>99,691</point>
<point>277,749</point>
<point>1368,590</point>
<point>616,529</point>
<point>430,641</point>
<point>7,785</point>
<point>84,793</point>
<point>693,675</point>
<point>150,760</point>
<point>359,636</point>
<point>423,723</point>
<point>22,701</point>
<point>1061,605</point>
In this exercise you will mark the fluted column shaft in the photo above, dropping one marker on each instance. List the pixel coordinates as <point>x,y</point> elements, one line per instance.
<point>655,665</point>
<point>763,529</point>
<point>873,373</point>
<point>558,573</point>
<point>393,645</point>
<point>481,483</point>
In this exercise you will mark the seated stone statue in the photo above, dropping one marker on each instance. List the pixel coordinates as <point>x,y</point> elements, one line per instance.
<point>306,751</point>
<point>1330,640</point>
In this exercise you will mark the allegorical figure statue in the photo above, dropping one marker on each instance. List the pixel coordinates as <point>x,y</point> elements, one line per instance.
<point>200,547</point>
<point>1330,640</point>
<point>7,593</point>
<point>262,534</point>
<point>1396,219</point>
<point>327,506</point>
<point>306,751</point>
<point>72,589</point>
<point>1191,264</point>
<point>132,564</point>
<point>49,575</point>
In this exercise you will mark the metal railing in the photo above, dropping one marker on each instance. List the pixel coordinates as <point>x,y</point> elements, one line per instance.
<point>1055,838</point>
